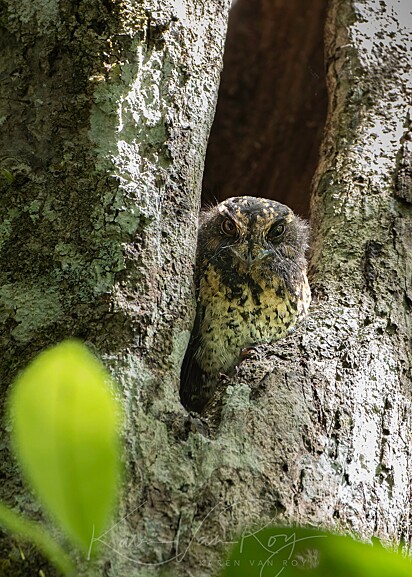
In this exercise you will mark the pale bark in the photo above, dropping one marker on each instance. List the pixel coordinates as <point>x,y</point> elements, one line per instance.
<point>317,431</point>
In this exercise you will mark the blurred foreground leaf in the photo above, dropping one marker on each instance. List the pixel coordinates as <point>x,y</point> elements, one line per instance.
<point>298,552</point>
<point>65,435</point>
<point>30,531</point>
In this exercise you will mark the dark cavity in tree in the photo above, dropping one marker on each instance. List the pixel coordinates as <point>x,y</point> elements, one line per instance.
<point>272,103</point>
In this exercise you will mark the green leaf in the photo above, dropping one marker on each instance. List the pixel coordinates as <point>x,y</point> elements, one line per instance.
<point>65,434</point>
<point>30,531</point>
<point>297,552</point>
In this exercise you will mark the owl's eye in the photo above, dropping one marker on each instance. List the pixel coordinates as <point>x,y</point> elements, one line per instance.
<point>277,230</point>
<point>228,227</point>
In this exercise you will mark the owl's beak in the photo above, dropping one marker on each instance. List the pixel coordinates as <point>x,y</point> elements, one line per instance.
<point>252,255</point>
<point>255,254</point>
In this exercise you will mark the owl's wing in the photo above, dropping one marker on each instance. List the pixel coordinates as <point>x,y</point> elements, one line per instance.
<point>193,380</point>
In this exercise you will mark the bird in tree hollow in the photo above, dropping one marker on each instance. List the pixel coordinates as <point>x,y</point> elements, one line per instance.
<point>251,288</point>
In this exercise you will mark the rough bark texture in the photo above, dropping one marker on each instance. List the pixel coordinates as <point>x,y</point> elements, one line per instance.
<point>362,271</point>
<point>106,106</point>
<point>99,238</point>
<point>272,103</point>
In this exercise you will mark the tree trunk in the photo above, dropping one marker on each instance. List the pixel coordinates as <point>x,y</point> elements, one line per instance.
<point>106,108</point>
<point>107,112</point>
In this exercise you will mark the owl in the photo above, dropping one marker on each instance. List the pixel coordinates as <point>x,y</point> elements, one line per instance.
<point>251,288</point>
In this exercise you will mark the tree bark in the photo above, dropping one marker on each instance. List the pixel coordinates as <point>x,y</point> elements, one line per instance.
<point>101,187</point>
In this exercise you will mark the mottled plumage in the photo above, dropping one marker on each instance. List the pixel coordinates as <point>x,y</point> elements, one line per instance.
<point>251,287</point>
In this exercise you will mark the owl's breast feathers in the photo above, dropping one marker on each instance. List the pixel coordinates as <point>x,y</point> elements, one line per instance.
<point>232,317</point>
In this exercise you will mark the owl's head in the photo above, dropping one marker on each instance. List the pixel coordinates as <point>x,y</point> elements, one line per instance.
<point>256,237</point>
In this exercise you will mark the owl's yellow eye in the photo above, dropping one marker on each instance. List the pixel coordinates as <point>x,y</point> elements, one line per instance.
<point>277,230</point>
<point>228,227</point>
